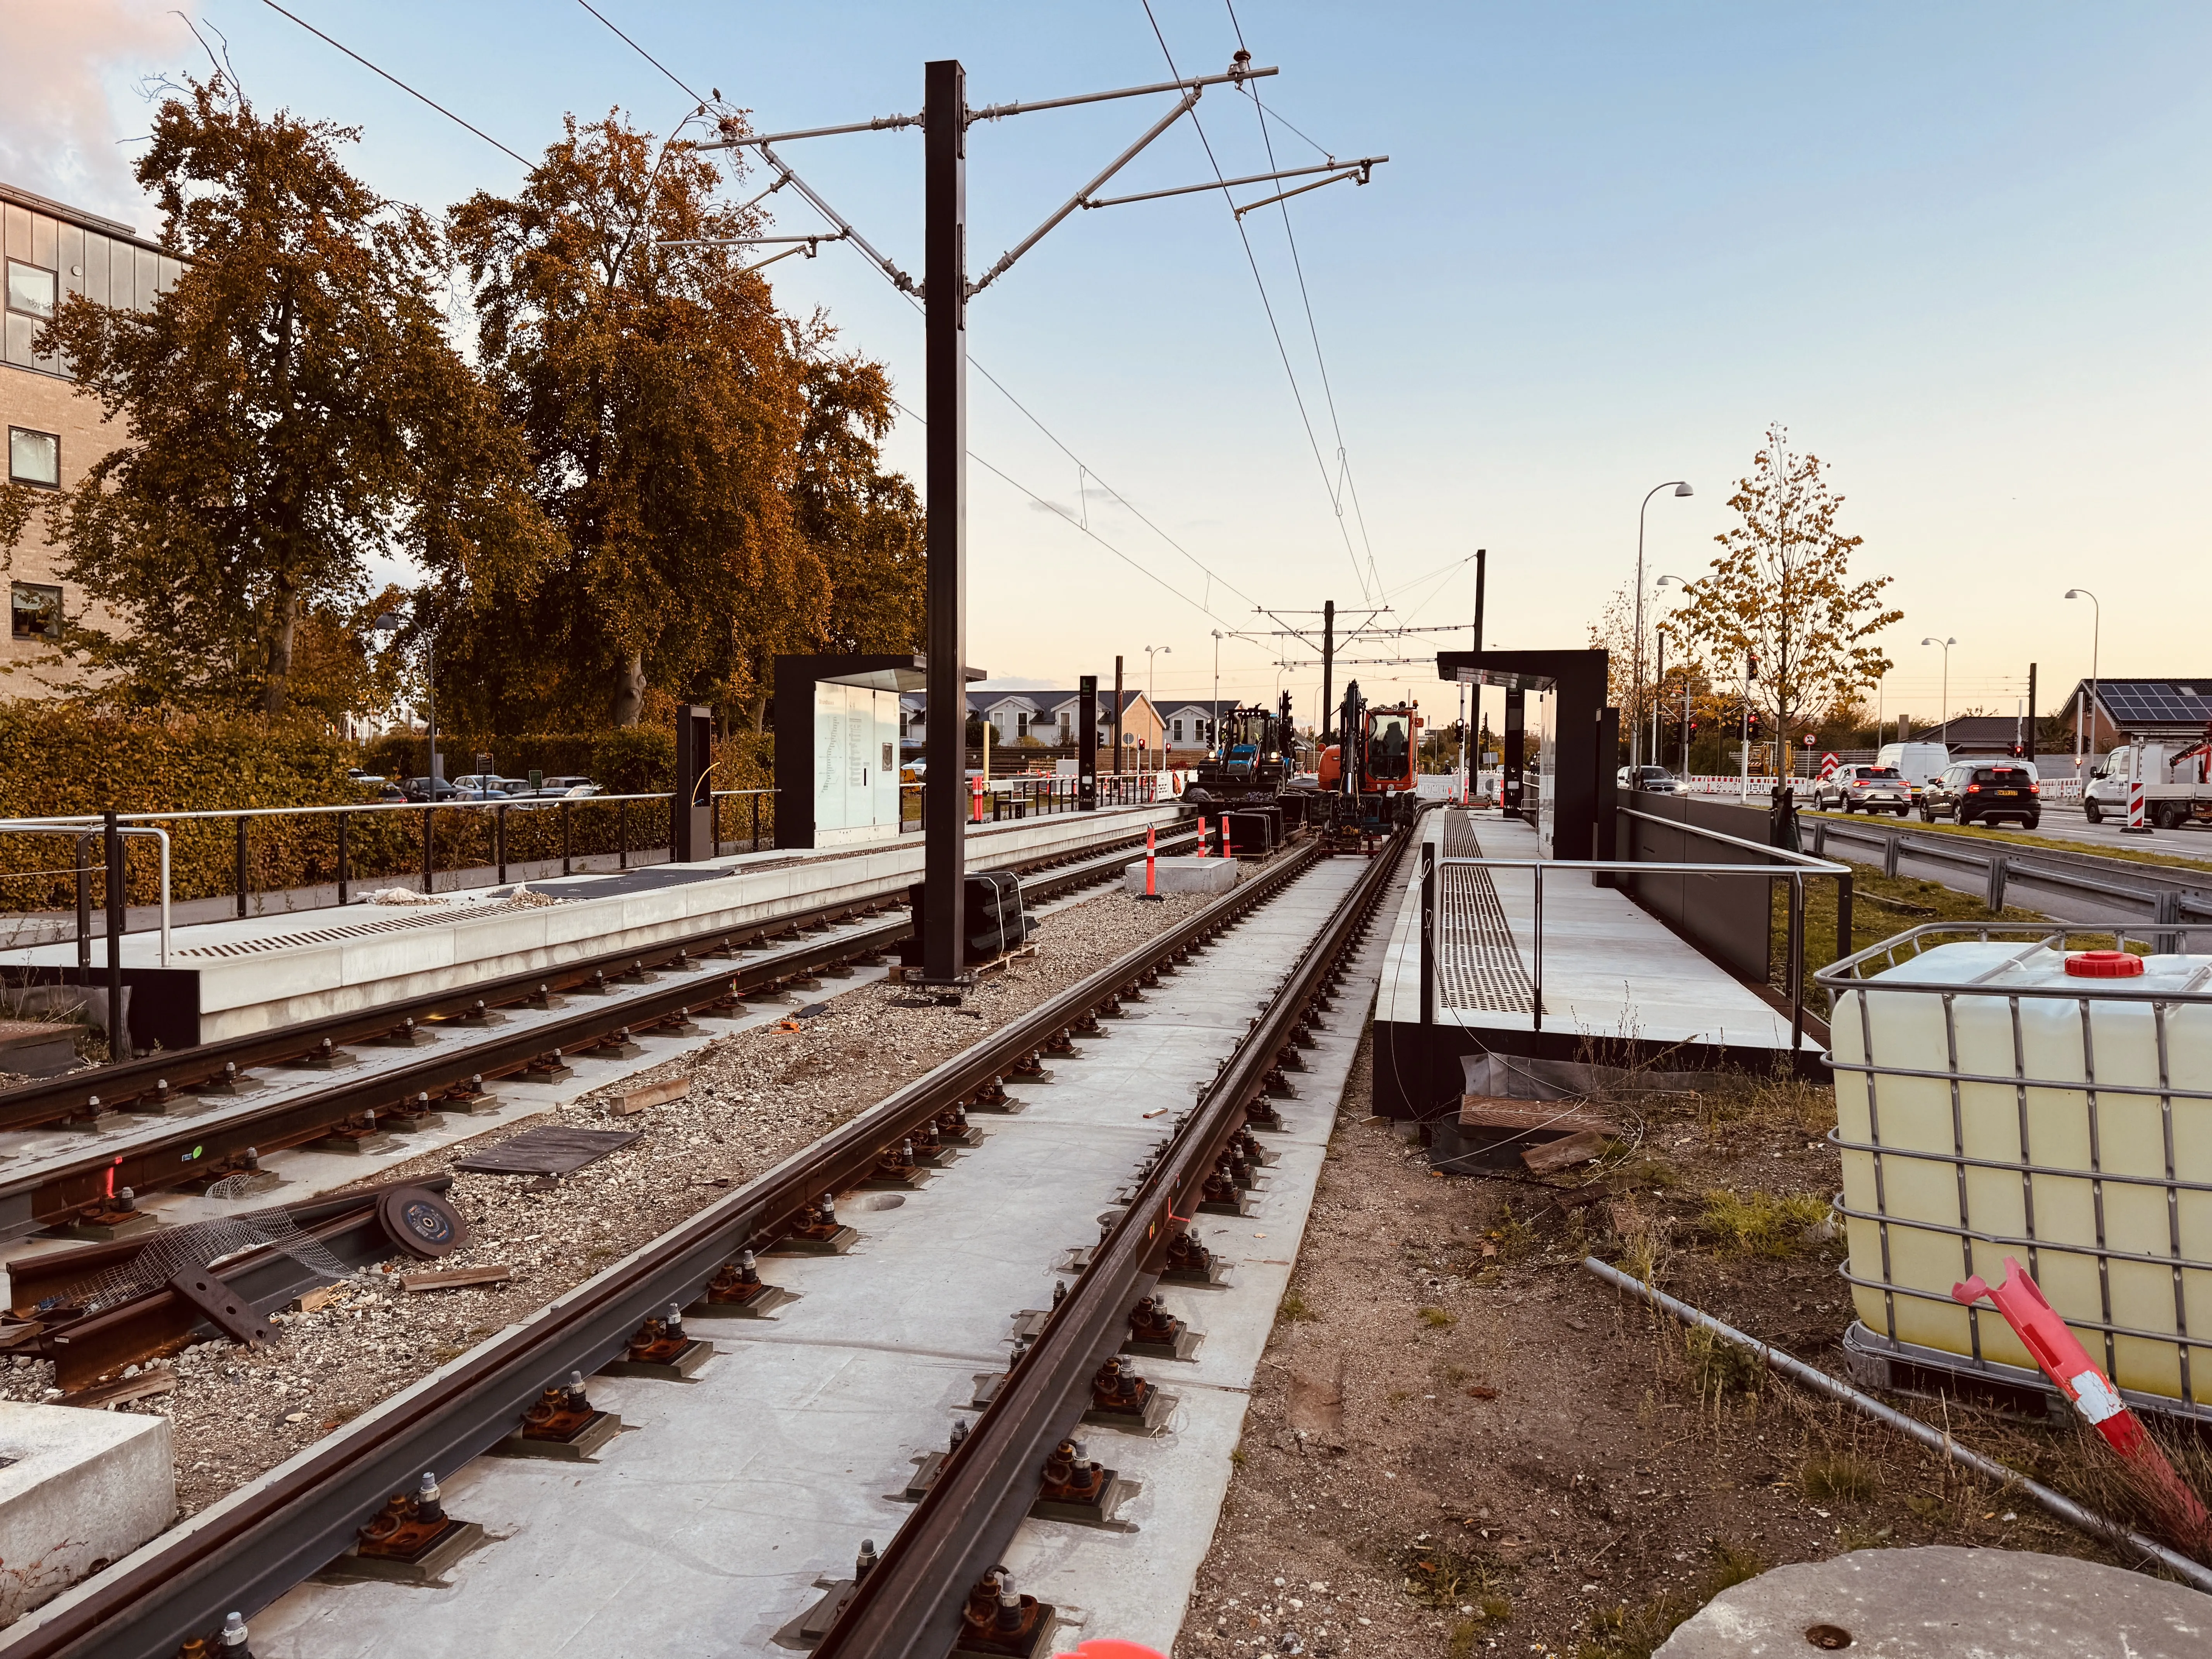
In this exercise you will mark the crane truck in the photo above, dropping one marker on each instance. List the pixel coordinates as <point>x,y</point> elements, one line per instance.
<point>2177,783</point>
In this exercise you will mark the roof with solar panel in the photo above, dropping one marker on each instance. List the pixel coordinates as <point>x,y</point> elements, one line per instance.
<point>2152,705</point>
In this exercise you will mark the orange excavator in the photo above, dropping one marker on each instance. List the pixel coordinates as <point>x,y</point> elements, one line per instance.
<point>1374,786</point>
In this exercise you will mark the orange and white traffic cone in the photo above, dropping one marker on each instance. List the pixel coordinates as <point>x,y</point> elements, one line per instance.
<point>978,791</point>
<point>1201,836</point>
<point>2068,1364</point>
<point>1152,893</point>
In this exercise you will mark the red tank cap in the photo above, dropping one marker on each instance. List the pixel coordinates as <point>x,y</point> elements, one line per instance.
<point>2104,965</point>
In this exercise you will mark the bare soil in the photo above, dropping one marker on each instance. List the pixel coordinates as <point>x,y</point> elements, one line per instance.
<point>1461,1442</point>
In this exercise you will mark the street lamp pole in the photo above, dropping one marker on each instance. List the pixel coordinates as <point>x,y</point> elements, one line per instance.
<point>2096,627</point>
<point>1636,687</point>
<point>1152,697</point>
<point>1213,709</point>
<point>1945,705</point>
<point>1657,758</point>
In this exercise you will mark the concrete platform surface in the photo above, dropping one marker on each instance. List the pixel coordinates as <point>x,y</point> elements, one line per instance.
<point>1943,1602</point>
<point>1209,876</point>
<point>79,1489</point>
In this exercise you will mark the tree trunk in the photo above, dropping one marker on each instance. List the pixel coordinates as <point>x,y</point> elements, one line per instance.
<point>755,708</point>
<point>275,690</point>
<point>629,691</point>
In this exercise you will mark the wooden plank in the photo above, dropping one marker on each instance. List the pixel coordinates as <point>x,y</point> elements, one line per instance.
<point>315,1300</point>
<point>446,1278</point>
<point>1532,1116</point>
<point>1550,1155</point>
<point>634,1100</point>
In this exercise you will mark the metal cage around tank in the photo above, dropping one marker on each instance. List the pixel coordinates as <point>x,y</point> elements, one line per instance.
<point>2092,1167</point>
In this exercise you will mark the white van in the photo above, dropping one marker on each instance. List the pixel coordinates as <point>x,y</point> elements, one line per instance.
<point>1916,763</point>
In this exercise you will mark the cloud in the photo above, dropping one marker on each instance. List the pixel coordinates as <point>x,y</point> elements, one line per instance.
<point>68,94</point>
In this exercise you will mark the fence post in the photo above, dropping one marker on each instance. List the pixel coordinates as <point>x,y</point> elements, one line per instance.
<point>1795,969</point>
<point>1891,847</point>
<point>499,840</point>
<point>2168,910</point>
<point>714,812</point>
<point>345,865</point>
<point>429,852</point>
<point>1999,869</point>
<point>568,860</point>
<point>754,847</point>
<point>242,867</point>
<point>84,907</point>
<point>622,827</point>
<point>118,1026</point>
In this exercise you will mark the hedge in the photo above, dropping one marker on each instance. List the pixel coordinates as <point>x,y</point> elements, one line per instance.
<point>58,760</point>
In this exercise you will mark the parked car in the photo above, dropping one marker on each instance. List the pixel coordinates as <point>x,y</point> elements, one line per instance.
<point>1983,793</point>
<point>430,789</point>
<point>574,787</point>
<point>390,793</point>
<point>1916,763</point>
<point>1651,780</point>
<point>1864,789</point>
<point>365,780</point>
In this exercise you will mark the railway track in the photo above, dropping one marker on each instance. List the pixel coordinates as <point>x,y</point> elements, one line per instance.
<point>198,1115</point>
<point>244,1552</point>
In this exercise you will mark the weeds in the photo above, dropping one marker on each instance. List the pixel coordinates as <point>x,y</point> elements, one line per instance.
<point>1839,1476</point>
<point>1514,1238</point>
<point>1762,1224</point>
<point>1294,1309</point>
<point>1718,1366</point>
<point>1438,1318</point>
<point>1442,1578</point>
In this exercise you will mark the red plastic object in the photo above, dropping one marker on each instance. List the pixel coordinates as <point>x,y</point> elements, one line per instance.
<point>2068,1364</point>
<point>2104,965</point>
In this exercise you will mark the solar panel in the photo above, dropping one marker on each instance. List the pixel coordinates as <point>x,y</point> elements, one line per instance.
<point>2155,703</point>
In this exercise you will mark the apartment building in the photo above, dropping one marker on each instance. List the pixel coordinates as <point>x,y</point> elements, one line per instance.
<point>54,431</point>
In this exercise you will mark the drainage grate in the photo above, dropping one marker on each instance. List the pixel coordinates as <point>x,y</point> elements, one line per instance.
<point>430,917</point>
<point>1478,965</point>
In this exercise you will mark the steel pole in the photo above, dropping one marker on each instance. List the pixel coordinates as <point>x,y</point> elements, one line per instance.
<point>945,199</point>
<point>1327,669</point>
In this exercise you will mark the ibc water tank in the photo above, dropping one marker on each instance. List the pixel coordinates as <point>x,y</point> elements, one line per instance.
<point>2001,1097</point>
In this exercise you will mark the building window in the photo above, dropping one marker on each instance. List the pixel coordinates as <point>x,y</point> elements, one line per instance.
<point>30,289</point>
<point>1178,728</point>
<point>34,458</point>
<point>1063,725</point>
<point>1021,726</point>
<point>35,611</point>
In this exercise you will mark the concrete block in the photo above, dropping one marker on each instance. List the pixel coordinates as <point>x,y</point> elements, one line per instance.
<point>81,1489</point>
<point>1208,876</point>
<point>1943,1602</point>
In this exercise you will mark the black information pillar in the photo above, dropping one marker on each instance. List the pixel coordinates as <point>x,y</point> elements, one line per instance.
<point>945,293</point>
<point>1086,752</point>
<point>1327,667</point>
<point>692,838</point>
<point>1516,714</point>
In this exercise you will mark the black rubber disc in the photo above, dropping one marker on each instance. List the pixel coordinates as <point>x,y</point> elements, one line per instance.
<point>421,1224</point>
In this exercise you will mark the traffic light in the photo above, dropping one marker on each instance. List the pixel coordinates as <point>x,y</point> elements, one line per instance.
<point>1750,665</point>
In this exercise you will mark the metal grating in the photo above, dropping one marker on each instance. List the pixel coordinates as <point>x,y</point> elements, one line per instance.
<point>1478,963</point>
<point>429,917</point>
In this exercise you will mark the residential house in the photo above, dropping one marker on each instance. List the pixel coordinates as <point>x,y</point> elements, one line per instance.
<point>1190,724</point>
<point>1053,718</point>
<point>55,431</point>
<point>2125,709</point>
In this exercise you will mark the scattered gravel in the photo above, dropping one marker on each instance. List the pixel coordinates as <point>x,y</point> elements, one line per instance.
<point>756,1096</point>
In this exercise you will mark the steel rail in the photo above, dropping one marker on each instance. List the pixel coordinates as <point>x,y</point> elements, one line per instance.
<point>109,1087</point>
<point>196,1143</point>
<point>909,1605</point>
<point>243,1552</point>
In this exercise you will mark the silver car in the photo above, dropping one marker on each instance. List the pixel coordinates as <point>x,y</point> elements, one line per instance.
<point>1864,789</point>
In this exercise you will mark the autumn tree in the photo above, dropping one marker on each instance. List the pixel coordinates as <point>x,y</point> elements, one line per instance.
<point>291,411</point>
<point>664,406</point>
<point>1782,592</point>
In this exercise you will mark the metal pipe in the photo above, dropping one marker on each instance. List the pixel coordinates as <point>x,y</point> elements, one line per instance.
<point>2053,1503</point>
<point>118,1027</point>
<point>1000,112</point>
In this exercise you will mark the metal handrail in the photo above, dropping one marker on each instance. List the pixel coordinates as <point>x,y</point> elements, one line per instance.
<point>1801,865</point>
<point>162,836</point>
<point>454,802</point>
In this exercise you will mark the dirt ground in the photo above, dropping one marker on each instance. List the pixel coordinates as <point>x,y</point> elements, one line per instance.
<point>1461,1442</point>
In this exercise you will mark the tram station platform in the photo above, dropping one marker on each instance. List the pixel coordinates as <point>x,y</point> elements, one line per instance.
<point>229,978</point>
<point>1619,987</point>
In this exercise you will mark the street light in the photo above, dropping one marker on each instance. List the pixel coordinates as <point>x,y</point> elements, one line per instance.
<point>1150,652</point>
<point>1945,723</point>
<point>1213,709</point>
<point>387,625</point>
<point>2096,627</point>
<point>1671,581</point>
<point>1636,690</point>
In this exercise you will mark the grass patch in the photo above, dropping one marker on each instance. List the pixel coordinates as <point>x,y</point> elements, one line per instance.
<point>1880,906</point>
<point>1442,1578</point>
<point>2046,843</point>
<point>1840,1478</point>
<point>1513,1236</point>
<point>1438,1318</point>
<point>1762,1224</point>
<point>1294,1309</point>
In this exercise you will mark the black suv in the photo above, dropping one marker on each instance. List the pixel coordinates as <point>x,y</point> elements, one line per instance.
<point>1984,792</point>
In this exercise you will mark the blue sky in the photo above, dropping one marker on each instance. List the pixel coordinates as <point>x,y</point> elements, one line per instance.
<point>1959,250</point>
